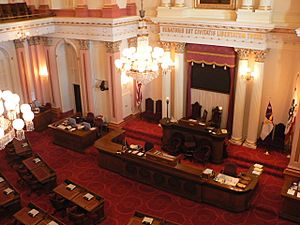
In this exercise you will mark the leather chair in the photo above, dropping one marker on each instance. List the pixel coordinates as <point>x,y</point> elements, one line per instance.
<point>90,118</point>
<point>148,146</point>
<point>278,137</point>
<point>59,203</point>
<point>158,111</point>
<point>230,169</point>
<point>77,216</point>
<point>204,116</point>
<point>216,117</point>
<point>148,114</point>
<point>196,111</point>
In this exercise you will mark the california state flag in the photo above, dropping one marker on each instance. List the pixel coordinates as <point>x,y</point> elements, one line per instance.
<point>268,124</point>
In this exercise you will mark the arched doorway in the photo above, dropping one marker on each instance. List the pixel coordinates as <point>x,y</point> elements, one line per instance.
<point>69,77</point>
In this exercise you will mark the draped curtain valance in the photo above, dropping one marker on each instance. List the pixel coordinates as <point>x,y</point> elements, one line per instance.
<point>209,54</point>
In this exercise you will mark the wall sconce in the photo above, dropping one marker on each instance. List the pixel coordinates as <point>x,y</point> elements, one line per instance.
<point>248,75</point>
<point>103,85</point>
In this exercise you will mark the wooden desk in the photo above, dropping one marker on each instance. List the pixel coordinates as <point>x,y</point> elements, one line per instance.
<point>189,128</point>
<point>76,196</point>
<point>181,179</point>
<point>291,204</point>
<point>77,140</point>
<point>10,202</point>
<point>41,120</point>
<point>41,171</point>
<point>138,217</point>
<point>42,218</point>
<point>22,148</point>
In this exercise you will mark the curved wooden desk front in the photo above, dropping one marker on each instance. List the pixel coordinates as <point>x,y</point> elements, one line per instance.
<point>181,179</point>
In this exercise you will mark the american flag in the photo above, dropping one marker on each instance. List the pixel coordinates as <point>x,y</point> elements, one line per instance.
<point>139,95</point>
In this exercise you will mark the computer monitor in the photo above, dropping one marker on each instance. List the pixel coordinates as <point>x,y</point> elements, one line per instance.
<point>72,122</point>
<point>86,125</point>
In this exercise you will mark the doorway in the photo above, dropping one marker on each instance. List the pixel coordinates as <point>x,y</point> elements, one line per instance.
<point>77,96</point>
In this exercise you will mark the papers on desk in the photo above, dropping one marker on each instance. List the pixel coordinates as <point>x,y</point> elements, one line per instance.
<point>291,191</point>
<point>258,169</point>
<point>33,212</point>
<point>223,131</point>
<point>256,165</point>
<point>88,196</point>
<point>1,179</point>
<point>147,220</point>
<point>71,187</point>
<point>36,160</point>
<point>208,171</point>
<point>201,124</point>
<point>61,127</point>
<point>192,120</point>
<point>93,128</point>
<point>133,146</point>
<point>52,223</point>
<point>8,190</point>
<point>225,179</point>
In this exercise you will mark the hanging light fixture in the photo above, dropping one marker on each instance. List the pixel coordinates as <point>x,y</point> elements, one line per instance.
<point>144,62</point>
<point>11,114</point>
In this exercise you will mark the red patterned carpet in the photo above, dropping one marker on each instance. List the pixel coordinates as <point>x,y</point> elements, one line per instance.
<point>123,196</point>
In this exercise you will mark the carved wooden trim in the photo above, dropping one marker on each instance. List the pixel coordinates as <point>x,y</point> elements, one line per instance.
<point>243,53</point>
<point>132,42</point>
<point>260,55</point>
<point>84,44</point>
<point>179,47</point>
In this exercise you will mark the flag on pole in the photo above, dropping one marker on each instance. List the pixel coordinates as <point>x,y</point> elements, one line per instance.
<point>139,95</point>
<point>291,118</point>
<point>268,123</point>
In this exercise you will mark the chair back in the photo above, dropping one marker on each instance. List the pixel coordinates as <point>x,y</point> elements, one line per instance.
<point>204,116</point>
<point>149,105</point>
<point>196,111</point>
<point>216,117</point>
<point>230,169</point>
<point>158,107</point>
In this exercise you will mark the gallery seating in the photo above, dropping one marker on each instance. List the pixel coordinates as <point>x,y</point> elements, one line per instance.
<point>196,111</point>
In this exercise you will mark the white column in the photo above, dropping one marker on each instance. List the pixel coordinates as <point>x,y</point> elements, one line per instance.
<point>247,4</point>
<point>179,81</point>
<point>166,86</point>
<point>165,3</point>
<point>240,97</point>
<point>255,103</point>
<point>179,3</point>
<point>265,4</point>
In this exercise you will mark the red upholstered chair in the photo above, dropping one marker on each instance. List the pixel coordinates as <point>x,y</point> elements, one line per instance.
<point>196,111</point>
<point>77,216</point>
<point>148,114</point>
<point>59,203</point>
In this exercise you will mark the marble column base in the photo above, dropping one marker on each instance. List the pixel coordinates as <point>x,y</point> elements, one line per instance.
<point>250,144</point>
<point>236,141</point>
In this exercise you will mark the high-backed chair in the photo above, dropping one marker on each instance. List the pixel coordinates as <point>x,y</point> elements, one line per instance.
<point>175,144</point>
<point>204,116</point>
<point>196,111</point>
<point>216,117</point>
<point>278,137</point>
<point>158,110</point>
<point>230,169</point>
<point>90,118</point>
<point>149,109</point>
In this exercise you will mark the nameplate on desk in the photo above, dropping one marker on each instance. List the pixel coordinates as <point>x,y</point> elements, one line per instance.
<point>1,179</point>
<point>291,191</point>
<point>24,145</point>
<point>88,196</point>
<point>52,223</point>
<point>8,190</point>
<point>33,212</point>
<point>147,220</point>
<point>71,187</point>
<point>256,172</point>
<point>36,160</point>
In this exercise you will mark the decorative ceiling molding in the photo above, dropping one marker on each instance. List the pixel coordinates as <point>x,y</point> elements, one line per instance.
<point>79,28</point>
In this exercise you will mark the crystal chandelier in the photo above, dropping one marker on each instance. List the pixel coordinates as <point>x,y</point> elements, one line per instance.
<point>144,63</point>
<point>13,118</point>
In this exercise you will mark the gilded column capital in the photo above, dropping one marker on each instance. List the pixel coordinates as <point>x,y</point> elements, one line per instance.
<point>243,53</point>
<point>48,41</point>
<point>260,55</point>
<point>113,47</point>
<point>179,47</point>
<point>32,41</point>
<point>18,44</point>
<point>166,45</point>
<point>84,44</point>
<point>132,42</point>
